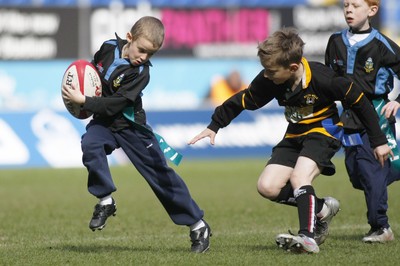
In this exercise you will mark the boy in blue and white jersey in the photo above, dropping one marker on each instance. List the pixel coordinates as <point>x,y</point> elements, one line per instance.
<point>372,61</point>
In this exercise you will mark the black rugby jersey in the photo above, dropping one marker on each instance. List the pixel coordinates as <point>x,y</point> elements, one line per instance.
<point>310,108</point>
<point>371,63</point>
<point>122,85</point>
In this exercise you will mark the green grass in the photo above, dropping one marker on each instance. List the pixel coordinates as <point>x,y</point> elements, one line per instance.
<point>44,215</point>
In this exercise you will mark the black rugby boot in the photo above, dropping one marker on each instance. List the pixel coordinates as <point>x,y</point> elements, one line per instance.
<point>201,239</point>
<point>100,215</point>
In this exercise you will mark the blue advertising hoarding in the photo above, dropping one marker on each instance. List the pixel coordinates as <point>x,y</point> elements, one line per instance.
<point>48,138</point>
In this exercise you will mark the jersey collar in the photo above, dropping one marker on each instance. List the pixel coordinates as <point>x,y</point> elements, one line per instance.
<point>306,74</point>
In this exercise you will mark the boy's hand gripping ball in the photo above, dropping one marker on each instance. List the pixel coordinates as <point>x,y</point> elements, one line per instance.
<point>83,75</point>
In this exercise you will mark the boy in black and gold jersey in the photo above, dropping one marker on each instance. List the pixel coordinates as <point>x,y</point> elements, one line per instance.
<point>308,91</point>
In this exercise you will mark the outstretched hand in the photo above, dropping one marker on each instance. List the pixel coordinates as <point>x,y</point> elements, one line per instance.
<point>73,95</point>
<point>205,133</point>
<point>382,153</point>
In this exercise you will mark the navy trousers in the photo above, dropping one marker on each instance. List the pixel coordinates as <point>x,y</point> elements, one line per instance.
<point>366,174</point>
<point>145,154</point>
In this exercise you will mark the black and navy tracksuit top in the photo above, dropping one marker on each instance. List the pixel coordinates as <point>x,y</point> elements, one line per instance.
<point>122,85</point>
<point>372,63</point>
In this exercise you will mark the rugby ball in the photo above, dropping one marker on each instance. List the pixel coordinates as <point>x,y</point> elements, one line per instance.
<point>83,75</point>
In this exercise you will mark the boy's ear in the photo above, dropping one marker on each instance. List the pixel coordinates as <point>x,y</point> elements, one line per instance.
<point>129,37</point>
<point>373,10</point>
<point>293,67</point>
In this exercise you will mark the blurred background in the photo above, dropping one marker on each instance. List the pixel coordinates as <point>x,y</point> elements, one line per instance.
<point>209,51</point>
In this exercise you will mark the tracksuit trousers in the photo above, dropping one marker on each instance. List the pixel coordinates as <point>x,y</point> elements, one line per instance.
<point>143,151</point>
<point>368,175</point>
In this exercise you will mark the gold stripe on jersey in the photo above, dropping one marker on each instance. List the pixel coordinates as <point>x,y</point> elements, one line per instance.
<point>316,116</point>
<point>251,97</point>
<point>320,130</point>
<point>358,99</point>
<point>307,71</point>
<point>348,90</point>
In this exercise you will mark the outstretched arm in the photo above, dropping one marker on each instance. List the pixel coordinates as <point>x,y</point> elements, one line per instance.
<point>205,133</point>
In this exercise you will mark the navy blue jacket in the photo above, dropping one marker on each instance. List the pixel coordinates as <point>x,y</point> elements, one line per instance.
<point>122,85</point>
<point>372,64</point>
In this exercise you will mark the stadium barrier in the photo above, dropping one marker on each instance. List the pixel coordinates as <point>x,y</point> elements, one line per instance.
<point>48,138</point>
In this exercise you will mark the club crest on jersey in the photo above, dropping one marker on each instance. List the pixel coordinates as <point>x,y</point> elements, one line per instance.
<point>369,65</point>
<point>311,98</point>
<point>117,81</point>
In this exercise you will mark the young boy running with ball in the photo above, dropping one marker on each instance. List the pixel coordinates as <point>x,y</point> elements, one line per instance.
<point>119,121</point>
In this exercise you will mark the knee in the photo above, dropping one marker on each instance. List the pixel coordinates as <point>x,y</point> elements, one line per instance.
<point>93,146</point>
<point>356,183</point>
<point>357,186</point>
<point>267,190</point>
<point>88,146</point>
<point>85,145</point>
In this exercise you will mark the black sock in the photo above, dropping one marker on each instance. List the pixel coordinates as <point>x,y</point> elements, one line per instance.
<point>320,204</point>
<point>306,207</point>
<point>286,196</point>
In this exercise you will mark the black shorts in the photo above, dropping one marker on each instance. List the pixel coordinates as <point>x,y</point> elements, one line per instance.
<point>317,147</point>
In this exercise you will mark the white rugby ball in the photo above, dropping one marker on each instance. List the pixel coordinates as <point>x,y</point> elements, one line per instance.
<point>83,75</point>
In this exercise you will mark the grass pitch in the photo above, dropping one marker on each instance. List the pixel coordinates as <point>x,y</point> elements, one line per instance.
<point>45,214</point>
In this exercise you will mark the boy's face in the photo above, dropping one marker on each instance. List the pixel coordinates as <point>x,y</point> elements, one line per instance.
<point>278,74</point>
<point>139,50</point>
<point>357,13</point>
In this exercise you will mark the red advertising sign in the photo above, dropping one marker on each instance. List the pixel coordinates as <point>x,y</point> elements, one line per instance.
<point>189,28</point>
